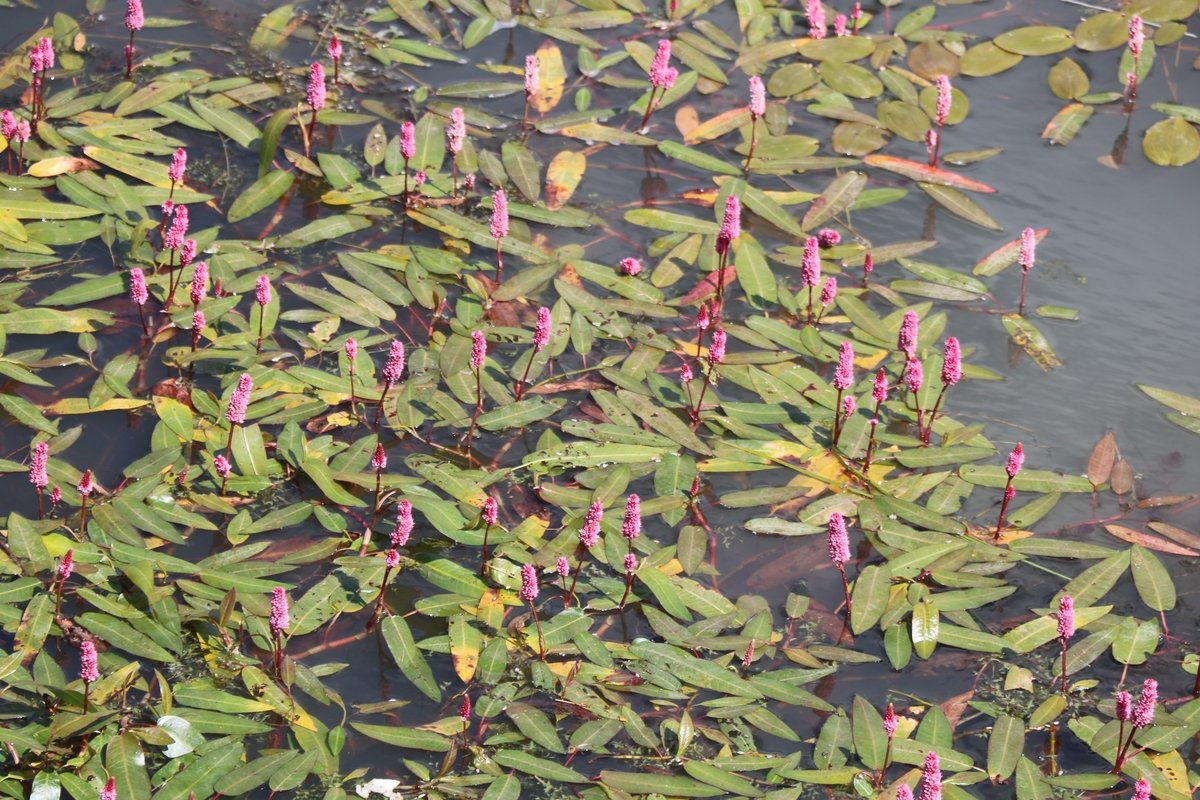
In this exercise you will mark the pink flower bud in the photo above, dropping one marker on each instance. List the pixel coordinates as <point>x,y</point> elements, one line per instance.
<point>731,224</point>
<point>903,792</point>
<point>631,525</point>
<point>685,373</point>
<point>889,721</point>
<point>541,330</point>
<point>335,49</point>
<point>478,350</point>
<point>137,287</point>
<point>187,253</point>
<point>931,777</point>
<point>758,97</point>
<point>631,564</point>
<point>868,264</point>
<point>849,406</point>
<point>491,511</point>
<point>499,222</point>
<point>951,362</point>
<point>631,266</point>
<point>562,567</point>
<point>1015,459</point>
<point>408,141</point>
<point>316,87</point>
<point>660,66</point>
<point>67,565</point>
<point>392,559</point>
<point>1143,711</point>
<point>351,350</point>
<point>8,124</point>
<point>394,367</point>
<point>89,671</point>
<point>716,351</point>
<point>109,792</point>
<point>198,323</point>
<point>529,583</point>
<point>1124,706</point>
<point>179,159</point>
<point>909,330</point>
<point>135,18</point>
<point>839,25</point>
<point>856,12</point>
<point>404,524</point>
<point>262,290</point>
<point>843,376</point>
<point>1066,617</point>
<point>879,391</point>
<point>280,618</point>
<point>420,178</point>
<point>469,182</point>
<point>1028,248</point>
<point>829,291</point>
<point>199,283</point>
<point>239,401</point>
<point>379,458</point>
<point>839,539</point>
<point>464,710</point>
<point>221,465</point>
<point>456,132</point>
<point>810,264</point>
<point>37,466</point>
<point>703,320</point>
<point>828,237</point>
<point>47,48</point>
<point>944,100</point>
<point>816,19</point>
<point>177,230</point>
<point>1137,36</point>
<point>589,534</point>
<point>914,374</point>
<point>531,76</point>
<point>1141,790</point>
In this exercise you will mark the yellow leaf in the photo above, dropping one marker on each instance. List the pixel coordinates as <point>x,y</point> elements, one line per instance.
<point>1171,765</point>
<point>551,77</point>
<point>79,405</point>
<point>60,165</point>
<point>563,176</point>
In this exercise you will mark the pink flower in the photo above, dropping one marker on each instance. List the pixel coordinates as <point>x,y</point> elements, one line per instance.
<point>909,330</point>
<point>316,87</point>
<point>631,266</point>
<point>931,142</point>
<point>1066,617</point>
<point>529,583</point>
<point>839,25</point>
<point>816,19</point>
<point>351,350</point>
<point>631,564</point>
<point>828,237</point>
<point>1124,706</point>
<point>868,264</point>
<point>562,567</point>
<point>758,97</point>
<point>67,564</point>
<point>631,525</point>
<point>829,291</point>
<point>1015,459</point>
<point>199,283</point>
<point>1028,248</point>
<point>137,287</point>
<point>1137,36</point>
<point>731,224</point>
<point>135,18</point>
<point>478,350</point>
<point>262,290</point>
<point>889,721</point>
<point>716,351</point>
<point>660,67</point>
<point>37,466</point>
<point>685,373</point>
<point>187,252</point>
<point>499,222</point>
<point>944,100</point>
<point>589,534</point>
<point>179,159</point>
<point>469,182</point>
<point>392,559</point>
<point>239,401</point>
<point>280,619</point>
<point>931,778</point>
<point>703,320</point>
<point>1131,80</point>
<point>951,362</point>
<point>856,12</point>
<point>221,465</point>
<point>849,406</point>
<point>420,178</point>
<point>464,710</point>
<point>456,133</point>
<point>36,62</point>
<point>335,48</point>
<point>843,376</point>
<point>89,672</point>
<point>47,48</point>
<point>541,330</point>
<point>810,264</point>
<point>177,230</point>
<point>408,141</point>
<point>839,539</point>
<point>1143,712</point>
<point>109,792</point>
<point>879,391</point>
<point>24,131</point>
<point>379,458</point>
<point>394,367</point>
<point>914,374</point>
<point>491,511</point>
<point>56,495</point>
<point>404,524</point>
<point>1141,790</point>
<point>531,76</point>
<point>198,323</point>
<point>8,124</point>
<point>903,792</point>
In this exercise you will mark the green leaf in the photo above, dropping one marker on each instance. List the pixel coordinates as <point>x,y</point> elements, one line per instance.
<point>838,196</point>
<point>1189,406</point>
<point>1029,480</point>
<point>410,660</point>
<point>1031,635</point>
<point>959,204</point>
<point>408,738</point>
<point>538,767</point>
<point>695,671</point>
<point>872,588</point>
<point>1005,746</point>
<point>227,122</point>
<point>1152,580</point>
<point>119,634</point>
<point>720,778</point>
<point>523,168</point>
<point>870,741</point>
<point>696,158</point>
<point>641,783</point>
<point>925,622</point>
<point>201,775</point>
<point>1172,142</point>
<point>260,194</point>
<point>535,725</point>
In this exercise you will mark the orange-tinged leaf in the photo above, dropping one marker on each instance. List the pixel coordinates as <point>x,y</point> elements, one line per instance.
<point>924,173</point>
<point>1149,542</point>
<point>1004,256</point>
<point>551,77</point>
<point>1100,462</point>
<point>563,176</point>
<point>719,125</point>
<point>686,120</point>
<point>1185,538</point>
<point>707,287</point>
<point>61,165</point>
<point>1121,479</point>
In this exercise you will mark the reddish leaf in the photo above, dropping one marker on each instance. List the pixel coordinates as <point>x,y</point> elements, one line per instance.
<point>1121,479</point>
<point>1004,256</point>
<point>1185,538</point>
<point>707,287</point>
<point>925,173</point>
<point>1100,462</point>
<point>1149,542</point>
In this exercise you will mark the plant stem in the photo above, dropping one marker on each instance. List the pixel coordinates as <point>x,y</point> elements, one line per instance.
<point>1063,647</point>
<point>582,551</point>
<point>649,108</point>
<point>41,513</point>
<point>478,409</point>
<point>525,376</point>
<point>353,399</point>
<point>483,570</point>
<point>499,261</point>
<point>700,401</point>
<point>379,408</point>
<point>1024,277</point>
<point>82,513</point>
<point>387,572</point>
<point>278,657</point>
<point>932,416</point>
<point>262,312</point>
<point>937,147</point>
<point>837,419</point>
<point>1003,507</point>
<point>753,141</point>
<point>845,588</point>
<point>628,586</point>
<point>228,445</point>
<point>541,639</point>
<point>87,690</point>
<point>129,57</point>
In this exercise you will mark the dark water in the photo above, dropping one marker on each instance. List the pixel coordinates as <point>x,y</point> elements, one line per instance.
<point>1122,249</point>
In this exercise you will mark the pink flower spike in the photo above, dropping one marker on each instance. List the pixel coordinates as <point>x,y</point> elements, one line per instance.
<point>137,287</point>
<point>239,401</point>
<point>839,539</point>
<point>1143,712</point>
<point>931,777</point>
<point>951,362</point>
<point>914,374</point>
<point>109,792</point>
<point>499,223</point>
<point>1028,248</point>
<point>879,391</point>
<point>731,224</point>
<point>456,132</point>
<point>187,252</point>
<point>179,159</point>
<point>829,291</point>
<point>529,583</point>
<point>394,367</point>
<point>1141,790</point>
<point>36,63</point>
<point>849,406</point>
<point>716,351</point>
<point>631,525</point>
<point>198,323</point>
<point>703,320</point>
<point>669,77</point>
<point>178,229</point>
<point>135,18</point>
<point>47,48</point>
<point>67,565</point>
<point>56,495</point>
<point>8,124</point>
<point>868,264</point>
<point>856,12</point>
<point>589,534</point>
<point>408,140</point>
<point>909,330</point>
<point>1137,37</point>
<point>810,264</point>
<point>944,100</point>
<point>335,48</point>
<point>531,76</point>
<point>1124,706</point>
<point>316,87</point>
<point>420,178</point>
<point>37,466</point>
<point>199,283</point>
<point>839,25</point>
<point>631,564</point>
<point>903,792</point>
<point>280,618</point>
<point>889,721</point>
<point>685,373</point>
<point>828,237</point>
<point>478,350</point>
<point>660,66</point>
<point>491,511</point>
<point>404,524</point>
<point>843,376</point>
<point>631,266</point>
<point>758,98</point>
<point>392,559</point>
<point>1015,459</point>
<point>262,290</point>
<point>816,19</point>
<point>379,458</point>
<point>541,330</point>
<point>464,710</point>
<point>89,672</point>
<point>1066,617</point>
<point>351,350</point>
<point>222,467</point>
<point>562,567</point>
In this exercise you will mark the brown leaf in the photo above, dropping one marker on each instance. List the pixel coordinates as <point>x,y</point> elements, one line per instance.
<point>686,120</point>
<point>1122,477</point>
<point>1149,542</point>
<point>1185,538</point>
<point>956,706</point>
<point>1100,462</point>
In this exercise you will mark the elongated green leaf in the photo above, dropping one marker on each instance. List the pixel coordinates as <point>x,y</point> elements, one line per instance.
<point>648,782</point>
<point>409,738</point>
<point>538,767</point>
<point>260,194</point>
<point>410,660</point>
<point>1005,746</point>
<point>1152,580</point>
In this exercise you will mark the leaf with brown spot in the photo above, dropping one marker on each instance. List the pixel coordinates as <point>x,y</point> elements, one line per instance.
<point>551,77</point>
<point>1149,542</point>
<point>1100,462</point>
<point>563,176</point>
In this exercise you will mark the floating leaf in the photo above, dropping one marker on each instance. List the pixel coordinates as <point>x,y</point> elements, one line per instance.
<point>1027,336</point>
<point>1172,142</point>
<point>1036,40</point>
